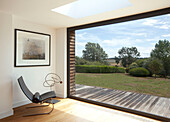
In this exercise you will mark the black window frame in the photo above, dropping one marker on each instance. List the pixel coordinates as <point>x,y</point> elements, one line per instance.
<point>107,22</point>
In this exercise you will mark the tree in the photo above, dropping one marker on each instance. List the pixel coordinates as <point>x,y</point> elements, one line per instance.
<point>117,59</point>
<point>162,52</point>
<point>80,61</point>
<point>94,52</point>
<point>155,66</point>
<point>128,55</point>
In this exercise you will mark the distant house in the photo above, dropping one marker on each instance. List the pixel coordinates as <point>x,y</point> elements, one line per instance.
<point>112,62</point>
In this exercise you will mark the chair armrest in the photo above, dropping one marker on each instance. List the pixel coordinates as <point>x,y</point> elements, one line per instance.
<point>36,98</point>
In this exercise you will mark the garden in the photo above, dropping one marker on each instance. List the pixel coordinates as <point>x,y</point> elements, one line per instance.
<point>132,73</point>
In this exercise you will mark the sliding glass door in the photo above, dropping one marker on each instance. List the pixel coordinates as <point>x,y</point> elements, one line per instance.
<point>123,63</point>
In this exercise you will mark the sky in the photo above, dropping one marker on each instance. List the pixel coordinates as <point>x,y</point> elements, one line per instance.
<point>142,33</point>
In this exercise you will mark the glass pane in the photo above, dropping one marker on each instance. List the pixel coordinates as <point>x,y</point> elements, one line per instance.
<point>126,64</point>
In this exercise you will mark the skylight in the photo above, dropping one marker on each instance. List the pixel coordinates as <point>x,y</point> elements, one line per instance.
<point>84,8</point>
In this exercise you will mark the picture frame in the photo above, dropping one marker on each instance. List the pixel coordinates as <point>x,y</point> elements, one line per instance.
<point>31,48</point>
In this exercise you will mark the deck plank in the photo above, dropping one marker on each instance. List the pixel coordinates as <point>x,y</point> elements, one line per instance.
<point>116,96</point>
<point>104,97</point>
<point>142,102</point>
<point>136,101</point>
<point>111,96</point>
<point>153,104</point>
<point>167,111</point>
<point>116,99</point>
<point>162,106</point>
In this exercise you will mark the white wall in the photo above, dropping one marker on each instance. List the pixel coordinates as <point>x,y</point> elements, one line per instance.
<point>61,61</point>
<point>5,65</point>
<point>33,76</point>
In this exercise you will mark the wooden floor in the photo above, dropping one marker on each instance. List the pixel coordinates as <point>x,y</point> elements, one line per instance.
<point>142,102</point>
<point>69,110</point>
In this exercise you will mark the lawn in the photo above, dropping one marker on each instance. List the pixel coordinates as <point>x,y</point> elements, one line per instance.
<point>120,81</point>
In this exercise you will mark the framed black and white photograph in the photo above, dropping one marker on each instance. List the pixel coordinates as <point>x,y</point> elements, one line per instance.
<point>31,48</point>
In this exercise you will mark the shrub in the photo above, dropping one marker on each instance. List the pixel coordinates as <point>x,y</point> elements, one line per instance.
<point>141,62</point>
<point>146,66</point>
<point>155,66</point>
<point>133,65</point>
<point>139,72</point>
<point>98,69</point>
<point>81,61</point>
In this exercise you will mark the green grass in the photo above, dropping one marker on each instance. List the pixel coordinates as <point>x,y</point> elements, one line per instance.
<point>120,81</point>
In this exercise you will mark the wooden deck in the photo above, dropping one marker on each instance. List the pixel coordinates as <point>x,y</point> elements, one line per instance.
<point>142,102</point>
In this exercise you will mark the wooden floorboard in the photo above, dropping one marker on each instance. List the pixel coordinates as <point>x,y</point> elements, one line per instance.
<point>69,110</point>
<point>142,102</point>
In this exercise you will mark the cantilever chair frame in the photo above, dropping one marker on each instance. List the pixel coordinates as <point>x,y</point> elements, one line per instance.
<point>41,106</point>
<point>48,100</point>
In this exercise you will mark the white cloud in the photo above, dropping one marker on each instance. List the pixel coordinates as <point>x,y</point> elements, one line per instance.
<point>86,37</point>
<point>113,46</point>
<point>151,40</point>
<point>145,51</point>
<point>139,34</point>
<point>133,34</point>
<point>137,40</point>
<point>81,35</point>
<point>128,42</point>
<point>157,23</point>
<point>167,35</point>
<point>79,47</point>
<point>80,44</point>
<point>123,31</point>
<point>117,42</point>
<point>112,52</point>
<point>150,22</point>
<point>155,39</point>
<point>163,26</point>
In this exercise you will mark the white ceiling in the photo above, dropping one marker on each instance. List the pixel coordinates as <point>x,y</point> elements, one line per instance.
<point>39,11</point>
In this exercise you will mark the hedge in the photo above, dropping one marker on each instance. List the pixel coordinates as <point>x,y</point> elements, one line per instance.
<point>139,72</point>
<point>98,69</point>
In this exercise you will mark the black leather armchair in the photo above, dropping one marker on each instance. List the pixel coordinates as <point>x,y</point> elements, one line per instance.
<point>37,98</point>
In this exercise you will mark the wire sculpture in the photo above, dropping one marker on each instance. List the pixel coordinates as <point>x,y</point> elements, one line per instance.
<point>51,79</point>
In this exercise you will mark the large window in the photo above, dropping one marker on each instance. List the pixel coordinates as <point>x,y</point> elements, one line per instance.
<point>125,64</point>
